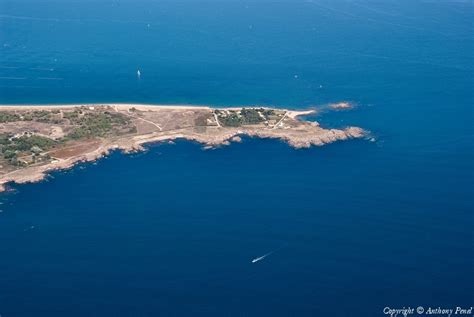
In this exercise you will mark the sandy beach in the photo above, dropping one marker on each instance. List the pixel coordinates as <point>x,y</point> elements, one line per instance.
<point>156,123</point>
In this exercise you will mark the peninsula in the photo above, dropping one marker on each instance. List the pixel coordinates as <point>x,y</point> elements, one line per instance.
<point>37,139</point>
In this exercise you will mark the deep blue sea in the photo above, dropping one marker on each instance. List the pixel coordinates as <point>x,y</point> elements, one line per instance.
<point>354,227</point>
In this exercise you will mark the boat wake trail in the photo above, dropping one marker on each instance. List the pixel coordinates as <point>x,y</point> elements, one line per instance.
<point>260,258</point>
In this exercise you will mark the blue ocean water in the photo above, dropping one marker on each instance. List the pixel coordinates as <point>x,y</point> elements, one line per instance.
<point>357,226</point>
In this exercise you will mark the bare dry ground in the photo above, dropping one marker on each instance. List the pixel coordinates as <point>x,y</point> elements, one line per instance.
<point>75,148</point>
<point>37,139</point>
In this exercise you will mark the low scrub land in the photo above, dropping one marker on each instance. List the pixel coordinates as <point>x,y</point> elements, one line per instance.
<point>248,116</point>
<point>37,139</point>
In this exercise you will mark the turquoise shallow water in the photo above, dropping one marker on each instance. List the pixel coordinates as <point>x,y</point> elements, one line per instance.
<point>358,225</point>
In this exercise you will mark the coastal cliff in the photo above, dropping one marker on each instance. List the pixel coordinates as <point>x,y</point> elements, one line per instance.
<point>35,140</point>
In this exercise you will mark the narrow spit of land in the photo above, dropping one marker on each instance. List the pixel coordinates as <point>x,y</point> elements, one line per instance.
<point>38,139</point>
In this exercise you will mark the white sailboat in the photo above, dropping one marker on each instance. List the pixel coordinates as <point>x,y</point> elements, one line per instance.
<point>139,74</point>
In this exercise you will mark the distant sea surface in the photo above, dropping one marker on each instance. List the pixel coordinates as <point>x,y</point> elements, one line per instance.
<point>355,226</point>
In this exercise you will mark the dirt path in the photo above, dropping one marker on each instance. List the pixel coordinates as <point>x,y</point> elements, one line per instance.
<point>281,120</point>
<point>138,118</point>
<point>217,120</point>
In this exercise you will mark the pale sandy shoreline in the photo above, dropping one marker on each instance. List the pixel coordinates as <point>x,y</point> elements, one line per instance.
<point>311,134</point>
<point>119,105</point>
<point>123,106</point>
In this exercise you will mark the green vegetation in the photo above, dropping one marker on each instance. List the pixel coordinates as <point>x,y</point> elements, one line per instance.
<point>25,143</point>
<point>251,116</point>
<point>9,117</point>
<point>53,116</point>
<point>231,120</point>
<point>246,116</point>
<point>95,124</point>
<point>268,113</point>
<point>42,116</point>
<point>12,147</point>
<point>72,115</point>
<point>27,148</point>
